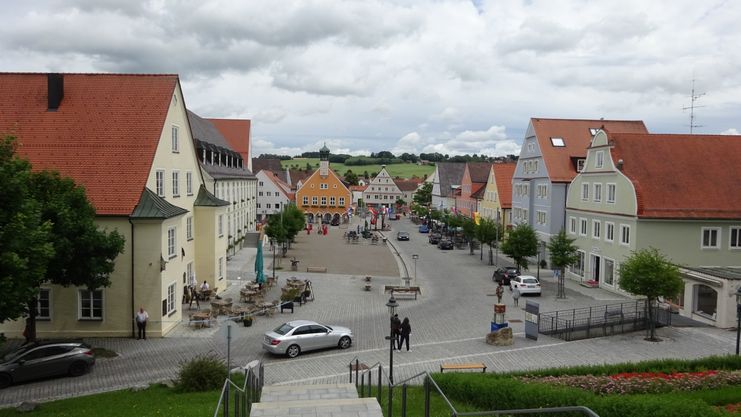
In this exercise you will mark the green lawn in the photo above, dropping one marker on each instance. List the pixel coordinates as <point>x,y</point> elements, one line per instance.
<point>395,170</point>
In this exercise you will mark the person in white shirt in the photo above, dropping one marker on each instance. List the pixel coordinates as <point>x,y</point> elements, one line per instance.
<point>141,323</point>
<point>204,286</point>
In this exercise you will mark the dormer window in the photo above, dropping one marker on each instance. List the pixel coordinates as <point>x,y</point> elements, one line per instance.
<point>580,165</point>
<point>557,142</point>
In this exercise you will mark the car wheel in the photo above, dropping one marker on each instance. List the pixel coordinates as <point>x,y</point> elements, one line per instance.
<point>78,368</point>
<point>5,381</point>
<point>345,342</point>
<point>293,351</point>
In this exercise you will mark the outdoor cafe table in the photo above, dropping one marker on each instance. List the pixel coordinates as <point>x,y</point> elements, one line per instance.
<point>220,305</point>
<point>200,319</point>
<point>247,295</point>
<point>267,308</point>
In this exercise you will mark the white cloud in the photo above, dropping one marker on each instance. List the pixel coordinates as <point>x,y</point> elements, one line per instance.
<point>730,131</point>
<point>451,72</point>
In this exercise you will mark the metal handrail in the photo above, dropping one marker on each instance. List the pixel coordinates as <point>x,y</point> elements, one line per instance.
<point>429,383</point>
<point>244,397</point>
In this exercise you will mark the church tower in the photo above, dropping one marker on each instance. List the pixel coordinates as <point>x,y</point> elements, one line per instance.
<point>324,161</point>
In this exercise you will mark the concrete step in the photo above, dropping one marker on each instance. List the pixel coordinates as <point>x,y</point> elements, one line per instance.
<point>251,239</point>
<point>344,407</point>
<point>279,393</point>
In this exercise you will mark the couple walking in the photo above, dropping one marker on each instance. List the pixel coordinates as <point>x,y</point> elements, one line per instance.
<point>401,331</point>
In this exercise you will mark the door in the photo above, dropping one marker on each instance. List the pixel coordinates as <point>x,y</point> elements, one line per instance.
<point>596,260</point>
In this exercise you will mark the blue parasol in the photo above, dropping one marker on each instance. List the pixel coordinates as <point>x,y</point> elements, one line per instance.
<point>259,275</point>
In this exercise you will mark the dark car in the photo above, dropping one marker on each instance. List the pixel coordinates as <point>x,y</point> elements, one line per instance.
<point>335,221</point>
<point>434,238</point>
<point>402,236</point>
<point>445,244</point>
<point>504,275</point>
<point>423,228</point>
<point>43,360</point>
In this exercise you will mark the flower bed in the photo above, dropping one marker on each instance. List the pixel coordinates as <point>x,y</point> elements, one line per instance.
<point>643,382</point>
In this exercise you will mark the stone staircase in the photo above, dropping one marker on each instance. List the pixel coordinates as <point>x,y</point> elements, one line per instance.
<point>336,400</point>
<point>251,239</point>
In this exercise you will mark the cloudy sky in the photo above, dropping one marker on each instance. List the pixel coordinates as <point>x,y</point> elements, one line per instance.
<point>448,76</point>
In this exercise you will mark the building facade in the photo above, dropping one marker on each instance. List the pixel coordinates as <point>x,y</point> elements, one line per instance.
<point>497,199</point>
<point>273,195</point>
<point>446,180</point>
<point>323,196</point>
<point>640,191</point>
<point>382,191</point>
<point>475,176</point>
<point>141,173</point>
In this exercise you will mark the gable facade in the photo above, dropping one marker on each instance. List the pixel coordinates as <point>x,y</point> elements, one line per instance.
<point>323,196</point>
<point>272,195</point>
<point>382,191</point>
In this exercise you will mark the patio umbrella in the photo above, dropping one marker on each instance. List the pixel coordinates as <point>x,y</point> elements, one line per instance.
<point>259,275</point>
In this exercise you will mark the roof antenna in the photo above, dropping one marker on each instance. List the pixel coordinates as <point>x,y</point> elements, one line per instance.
<point>692,106</point>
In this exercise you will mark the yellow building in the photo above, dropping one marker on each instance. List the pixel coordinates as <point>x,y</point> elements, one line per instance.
<point>323,196</point>
<point>497,202</point>
<point>126,139</point>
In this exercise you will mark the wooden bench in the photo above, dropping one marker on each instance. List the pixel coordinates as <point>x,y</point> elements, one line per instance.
<point>460,366</point>
<point>316,269</point>
<point>404,291</point>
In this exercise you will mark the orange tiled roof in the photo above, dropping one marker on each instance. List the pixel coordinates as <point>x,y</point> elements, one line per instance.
<point>237,133</point>
<point>358,187</point>
<point>682,176</point>
<point>103,135</point>
<point>406,185</point>
<point>576,137</point>
<point>503,174</point>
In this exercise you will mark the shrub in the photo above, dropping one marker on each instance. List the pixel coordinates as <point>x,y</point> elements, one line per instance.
<point>202,373</point>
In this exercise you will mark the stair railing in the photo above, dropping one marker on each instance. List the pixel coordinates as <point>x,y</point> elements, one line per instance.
<point>243,397</point>
<point>429,385</point>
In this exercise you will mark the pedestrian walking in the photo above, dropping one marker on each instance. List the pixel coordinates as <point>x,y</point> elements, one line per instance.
<point>499,293</point>
<point>516,296</point>
<point>406,330</point>
<point>395,330</point>
<point>141,323</point>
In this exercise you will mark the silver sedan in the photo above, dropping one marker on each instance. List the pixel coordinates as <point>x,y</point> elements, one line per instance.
<point>298,336</point>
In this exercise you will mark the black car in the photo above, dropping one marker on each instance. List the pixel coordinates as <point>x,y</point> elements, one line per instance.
<point>505,274</point>
<point>402,236</point>
<point>445,244</point>
<point>42,360</point>
<point>434,238</point>
<point>335,221</point>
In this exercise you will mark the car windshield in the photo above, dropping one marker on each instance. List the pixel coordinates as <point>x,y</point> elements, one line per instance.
<point>18,352</point>
<point>530,281</point>
<point>283,328</point>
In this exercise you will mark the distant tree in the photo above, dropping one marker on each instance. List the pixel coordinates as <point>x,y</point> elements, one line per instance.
<point>314,154</point>
<point>373,174</point>
<point>423,195</point>
<point>520,244</point>
<point>351,178</point>
<point>469,231</point>
<point>366,175</point>
<point>563,253</point>
<point>400,202</point>
<point>649,273</point>
<point>409,157</point>
<point>308,166</point>
<point>486,233</point>
<point>274,156</point>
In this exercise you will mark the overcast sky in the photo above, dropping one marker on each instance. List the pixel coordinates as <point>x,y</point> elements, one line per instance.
<point>363,76</point>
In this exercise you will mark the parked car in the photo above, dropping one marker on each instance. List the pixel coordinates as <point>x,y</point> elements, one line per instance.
<point>445,244</point>
<point>335,221</point>
<point>298,336</point>
<point>434,238</point>
<point>505,274</point>
<point>423,228</point>
<point>527,284</point>
<point>402,236</point>
<point>43,360</point>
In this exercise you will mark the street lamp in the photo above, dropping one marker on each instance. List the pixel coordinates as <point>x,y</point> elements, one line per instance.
<point>738,317</point>
<point>539,244</point>
<point>272,244</point>
<point>391,304</point>
<point>415,257</point>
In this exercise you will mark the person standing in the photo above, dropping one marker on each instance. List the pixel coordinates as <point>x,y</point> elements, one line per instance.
<point>204,286</point>
<point>406,330</point>
<point>142,317</point>
<point>395,330</point>
<point>516,296</point>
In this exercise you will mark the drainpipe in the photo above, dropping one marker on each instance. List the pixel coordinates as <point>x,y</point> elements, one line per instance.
<point>133,305</point>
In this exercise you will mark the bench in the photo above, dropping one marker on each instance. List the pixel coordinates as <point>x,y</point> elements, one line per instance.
<point>460,366</point>
<point>404,291</point>
<point>316,269</point>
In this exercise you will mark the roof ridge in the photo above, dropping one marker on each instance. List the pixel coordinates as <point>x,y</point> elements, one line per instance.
<point>132,74</point>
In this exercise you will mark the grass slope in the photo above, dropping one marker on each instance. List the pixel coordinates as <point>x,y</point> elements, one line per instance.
<point>395,170</point>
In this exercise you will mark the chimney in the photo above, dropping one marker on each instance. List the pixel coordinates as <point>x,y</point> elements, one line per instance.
<point>55,84</point>
<point>620,164</point>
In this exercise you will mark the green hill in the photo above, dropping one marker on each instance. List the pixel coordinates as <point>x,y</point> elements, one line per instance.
<point>406,170</point>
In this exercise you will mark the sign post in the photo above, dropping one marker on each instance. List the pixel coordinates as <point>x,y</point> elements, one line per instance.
<point>532,312</point>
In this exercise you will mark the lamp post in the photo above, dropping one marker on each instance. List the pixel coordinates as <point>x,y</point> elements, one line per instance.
<point>391,304</point>
<point>415,257</point>
<point>272,244</point>
<point>738,318</point>
<point>538,261</point>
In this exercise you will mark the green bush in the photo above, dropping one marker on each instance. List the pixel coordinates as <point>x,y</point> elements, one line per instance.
<point>202,373</point>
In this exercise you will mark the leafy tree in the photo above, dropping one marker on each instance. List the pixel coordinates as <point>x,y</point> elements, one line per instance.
<point>81,255</point>
<point>25,249</point>
<point>649,273</point>
<point>423,195</point>
<point>308,167</point>
<point>400,202</point>
<point>520,244</point>
<point>563,253</point>
<point>487,233</point>
<point>469,231</point>
<point>351,178</point>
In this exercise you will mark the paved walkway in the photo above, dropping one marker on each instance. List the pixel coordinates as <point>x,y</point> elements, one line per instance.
<point>449,322</point>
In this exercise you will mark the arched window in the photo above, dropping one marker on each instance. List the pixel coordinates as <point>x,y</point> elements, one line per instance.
<point>706,301</point>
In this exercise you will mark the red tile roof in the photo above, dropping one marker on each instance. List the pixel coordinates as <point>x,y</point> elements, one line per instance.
<point>503,176</point>
<point>576,137</point>
<point>237,133</point>
<point>103,135</point>
<point>479,171</point>
<point>406,185</point>
<point>358,187</point>
<point>682,176</point>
